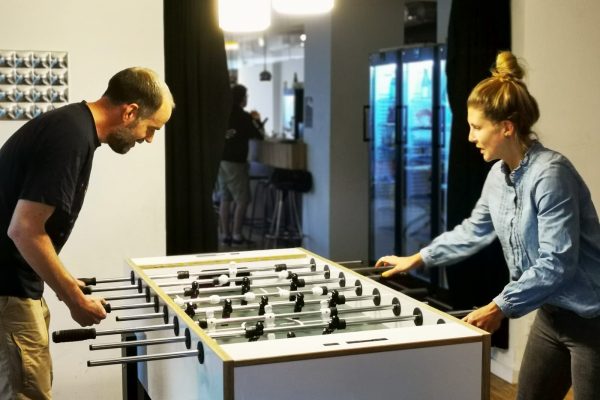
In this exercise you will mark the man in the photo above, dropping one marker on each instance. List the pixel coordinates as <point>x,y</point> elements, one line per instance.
<point>44,172</point>
<point>233,178</point>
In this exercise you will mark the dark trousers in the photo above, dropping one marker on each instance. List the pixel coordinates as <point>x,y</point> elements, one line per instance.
<point>563,349</point>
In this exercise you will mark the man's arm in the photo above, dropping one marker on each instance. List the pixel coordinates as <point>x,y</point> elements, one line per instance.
<point>27,230</point>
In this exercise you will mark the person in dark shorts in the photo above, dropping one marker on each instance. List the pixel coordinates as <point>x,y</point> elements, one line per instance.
<point>233,178</point>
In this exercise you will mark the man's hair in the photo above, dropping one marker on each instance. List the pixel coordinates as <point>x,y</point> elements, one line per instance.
<point>136,85</point>
<point>238,94</point>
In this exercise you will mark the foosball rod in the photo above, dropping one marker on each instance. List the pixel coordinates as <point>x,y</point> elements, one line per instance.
<point>88,290</point>
<point>250,296</point>
<point>134,343</point>
<point>334,323</point>
<point>135,359</point>
<point>395,306</point>
<point>224,279</point>
<point>199,352</point>
<point>221,289</point>
<point>210,272</point>
<point>217,282</point>
<point>75,335</point>
<point>334,299</point>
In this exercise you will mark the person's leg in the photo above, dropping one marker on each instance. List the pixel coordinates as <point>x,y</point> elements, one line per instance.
<point>240,190</point>
<point>224,181</point>
<point>582,337</point>
<point>24,324</point>
<point>238,220</point>
<point>545,370</point>
<point>5,365</point>
<point>224,209</point>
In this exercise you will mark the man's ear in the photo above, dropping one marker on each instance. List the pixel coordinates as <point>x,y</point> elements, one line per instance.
<point>130,112</point>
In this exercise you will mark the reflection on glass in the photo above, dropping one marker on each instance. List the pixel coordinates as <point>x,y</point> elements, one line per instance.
<point>383,159</point>
<point>417,157</point>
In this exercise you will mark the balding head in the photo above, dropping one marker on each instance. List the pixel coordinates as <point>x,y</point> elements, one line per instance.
<point>141,86</point>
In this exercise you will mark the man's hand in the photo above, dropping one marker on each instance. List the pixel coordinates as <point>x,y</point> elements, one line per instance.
<point>400,264</point>
<point>487,318</point>
<point>87,310</point>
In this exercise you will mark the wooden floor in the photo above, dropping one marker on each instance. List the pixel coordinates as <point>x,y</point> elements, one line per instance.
<point>502,390</point>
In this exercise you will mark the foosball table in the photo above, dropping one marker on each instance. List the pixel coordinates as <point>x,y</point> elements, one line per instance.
<point>280,324</point>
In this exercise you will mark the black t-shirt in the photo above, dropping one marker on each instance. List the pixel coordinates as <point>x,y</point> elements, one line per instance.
<point>48,160</point>
<point>242,128</point>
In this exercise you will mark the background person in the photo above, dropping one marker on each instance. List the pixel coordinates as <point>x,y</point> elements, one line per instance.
<point>233,177</point>
<point>541,210</point>
<point>45,168</point>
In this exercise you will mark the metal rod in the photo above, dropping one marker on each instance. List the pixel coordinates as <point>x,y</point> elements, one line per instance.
<point>131,359</point>
<point>349,262</point>
<point>316,324</point>
<point>221,289</point>
<point>241,278</point>
<point>274,294</point>
<point>132,343</point>
<point>114,288</point>
<point>148,328</point>
<point>254,318</point>
<point>372,270</point>
<point>250,307</point>
<point>136,317</point>
<point>132,306</point>
<point>125,297</point>
<point>219,271</point>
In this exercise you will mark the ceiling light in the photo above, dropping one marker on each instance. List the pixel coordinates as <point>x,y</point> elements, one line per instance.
<point>302,7</point>
<point>232,45</point>
<point>244,15</point>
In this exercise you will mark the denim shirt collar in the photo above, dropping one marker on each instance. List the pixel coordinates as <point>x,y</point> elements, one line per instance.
<point>511,177</point>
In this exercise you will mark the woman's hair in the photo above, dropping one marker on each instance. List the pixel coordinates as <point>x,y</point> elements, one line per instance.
<point>504,96</point>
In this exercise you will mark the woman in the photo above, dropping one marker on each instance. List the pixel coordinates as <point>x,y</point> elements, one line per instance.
<point>541,210</point>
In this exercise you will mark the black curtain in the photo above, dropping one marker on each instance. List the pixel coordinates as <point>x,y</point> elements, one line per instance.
<point>476,32</point>
<point>196,72</point>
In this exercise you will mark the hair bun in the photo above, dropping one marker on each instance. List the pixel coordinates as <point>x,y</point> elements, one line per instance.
<point>507,67</point>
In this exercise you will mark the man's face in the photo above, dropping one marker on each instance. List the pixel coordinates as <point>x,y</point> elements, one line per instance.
<point>123,138</point>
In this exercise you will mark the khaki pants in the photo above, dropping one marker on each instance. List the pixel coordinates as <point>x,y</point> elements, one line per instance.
<point>25,364</point>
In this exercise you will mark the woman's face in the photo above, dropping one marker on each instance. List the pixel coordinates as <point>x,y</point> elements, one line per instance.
<point>486,135</point>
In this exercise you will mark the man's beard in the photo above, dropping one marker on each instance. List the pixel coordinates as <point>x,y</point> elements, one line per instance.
<point>121,140</point>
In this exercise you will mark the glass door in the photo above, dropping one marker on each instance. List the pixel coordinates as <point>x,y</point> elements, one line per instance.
<point>416,159</point>
<point>445,130</point>
<point>383,121</point>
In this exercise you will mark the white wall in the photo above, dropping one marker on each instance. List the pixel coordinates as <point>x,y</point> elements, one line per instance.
<point>124,212</point>
<point>558,41</point>
<point>335,213</point>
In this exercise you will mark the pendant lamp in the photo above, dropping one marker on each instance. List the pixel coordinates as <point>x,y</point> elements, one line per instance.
<point>244,15</point>
<point>302,7</point>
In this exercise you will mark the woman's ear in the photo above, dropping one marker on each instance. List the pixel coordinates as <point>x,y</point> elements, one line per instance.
<point>508,128</point>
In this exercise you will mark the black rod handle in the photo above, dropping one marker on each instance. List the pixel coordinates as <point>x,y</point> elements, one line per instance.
<point>73,335</point>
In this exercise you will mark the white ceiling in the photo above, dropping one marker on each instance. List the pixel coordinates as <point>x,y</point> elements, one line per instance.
<point>281,42</point>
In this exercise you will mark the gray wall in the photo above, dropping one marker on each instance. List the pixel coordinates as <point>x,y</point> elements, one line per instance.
<point>337,79</point>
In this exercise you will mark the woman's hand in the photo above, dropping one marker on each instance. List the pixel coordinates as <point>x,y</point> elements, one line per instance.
<point>399,264</point>
<point>487,318</point>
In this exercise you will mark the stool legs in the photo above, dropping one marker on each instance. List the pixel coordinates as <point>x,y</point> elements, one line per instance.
<point>275,234</point>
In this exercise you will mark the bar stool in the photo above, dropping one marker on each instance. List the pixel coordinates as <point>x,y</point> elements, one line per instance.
<point>260,200</point>
<point>285,219</point>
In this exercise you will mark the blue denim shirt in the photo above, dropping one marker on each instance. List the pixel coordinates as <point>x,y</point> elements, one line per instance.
<point>543,215</point>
